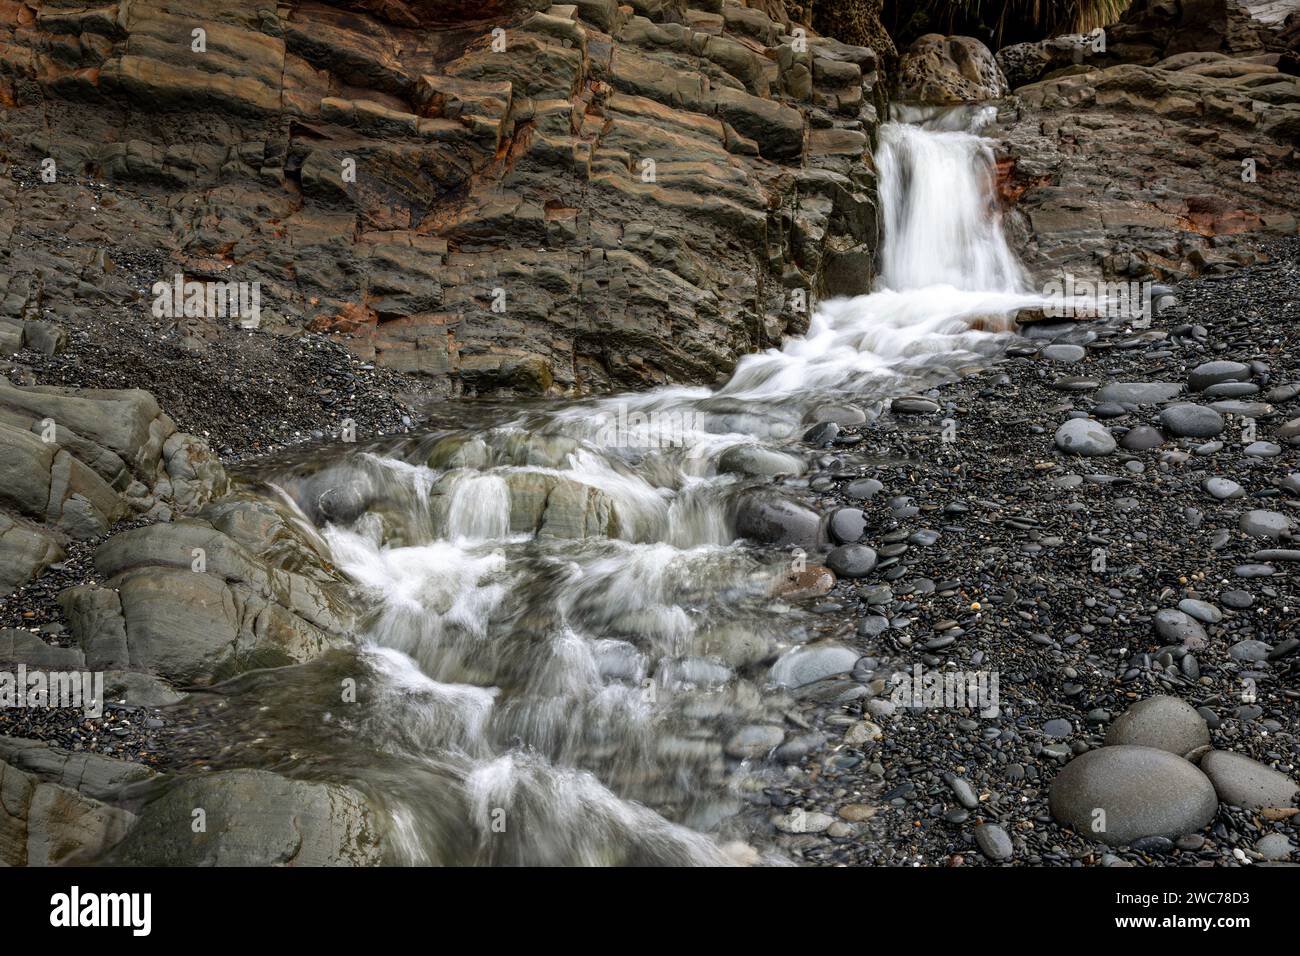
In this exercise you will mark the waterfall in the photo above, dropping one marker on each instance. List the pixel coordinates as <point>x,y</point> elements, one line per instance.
<point>602,657</point>
<point>940,214</point>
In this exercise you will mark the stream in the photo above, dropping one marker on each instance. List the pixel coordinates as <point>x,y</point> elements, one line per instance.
<point>565,624</point>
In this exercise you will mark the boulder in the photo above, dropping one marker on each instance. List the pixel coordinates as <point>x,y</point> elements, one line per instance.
<point>253,818</point>
<point>1243,782</point>
<point>1123,793</point>
<point>191,604</point>
<point>1162,722</point>
<point>941,71</point>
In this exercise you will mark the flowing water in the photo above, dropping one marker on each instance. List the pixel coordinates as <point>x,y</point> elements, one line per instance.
<point>562,628</point>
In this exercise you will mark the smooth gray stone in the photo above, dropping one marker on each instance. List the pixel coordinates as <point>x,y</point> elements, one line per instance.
<point>1275,846</point>
<point>1142,438</point>
<point>851,560</point>
<point>863,489</point>
<point>1212,373</point>
<point>1242,409</point>
<point>1191,421</point>
<point>1243,782</point>
<point>1222,488</point>
<point>1139,791</point>
<point>1250,651</point>
<point>1265,524</point>
<point>1276,554</point>
<point>1166,723</point>
<point>1064,353</point>
<point>1203,611</point>
<point>994,842</point>
<point>1232,390</point>
<point>1083,436</point>
<point>813,662</point>
<point>1176,627</point>
<point>1139,393</point>
<point>847,525</point>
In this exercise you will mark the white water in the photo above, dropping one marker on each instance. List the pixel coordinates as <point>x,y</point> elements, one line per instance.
<point>568,579</point>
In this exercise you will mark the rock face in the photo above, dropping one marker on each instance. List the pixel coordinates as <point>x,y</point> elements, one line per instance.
<point>52,804</point>
<point>73,462</point>
<point>1097,152</point>
<point>942,71</point>
<point>593,196</point>
<point>1147,32</point>
<point>237,587</point>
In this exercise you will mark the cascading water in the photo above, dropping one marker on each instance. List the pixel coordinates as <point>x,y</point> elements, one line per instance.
<point>564,630</point>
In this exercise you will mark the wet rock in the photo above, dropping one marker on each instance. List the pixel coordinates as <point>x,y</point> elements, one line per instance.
<point>189,603</point>
<point>811,582</point>
<point>1266,524</point>
<point>1202,611</point>
<point>773,520</point>
<point>23,647</point>
<point>863,489</point>
<point>756,740</point>
<point>1249,651</point>
<point>805,665</point>
<point>913,405</point>
<point>1176,627</point>
<point>756,460</point>
<point>1223,488</point>
<point>822,435</point>
<point>254,818</point>
<point>994,842</point>
<point>1138,393</point>
<point>862,732</point>
<point>51,815</point>
<point>1064,353</point>
<point>847,525</point>
<point>802,821</point>
<point>1142,438</point>
<point>1139,791</point>
<point>851,560</point>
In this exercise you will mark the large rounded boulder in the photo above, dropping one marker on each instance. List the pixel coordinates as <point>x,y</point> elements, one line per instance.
<point>945,71</point>
<point>1124,793</point>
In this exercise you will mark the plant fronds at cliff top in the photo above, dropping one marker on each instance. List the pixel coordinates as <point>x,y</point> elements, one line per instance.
<point>1046,17</point>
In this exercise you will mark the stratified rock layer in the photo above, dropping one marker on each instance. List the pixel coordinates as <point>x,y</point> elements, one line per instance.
<point>497,195</point>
